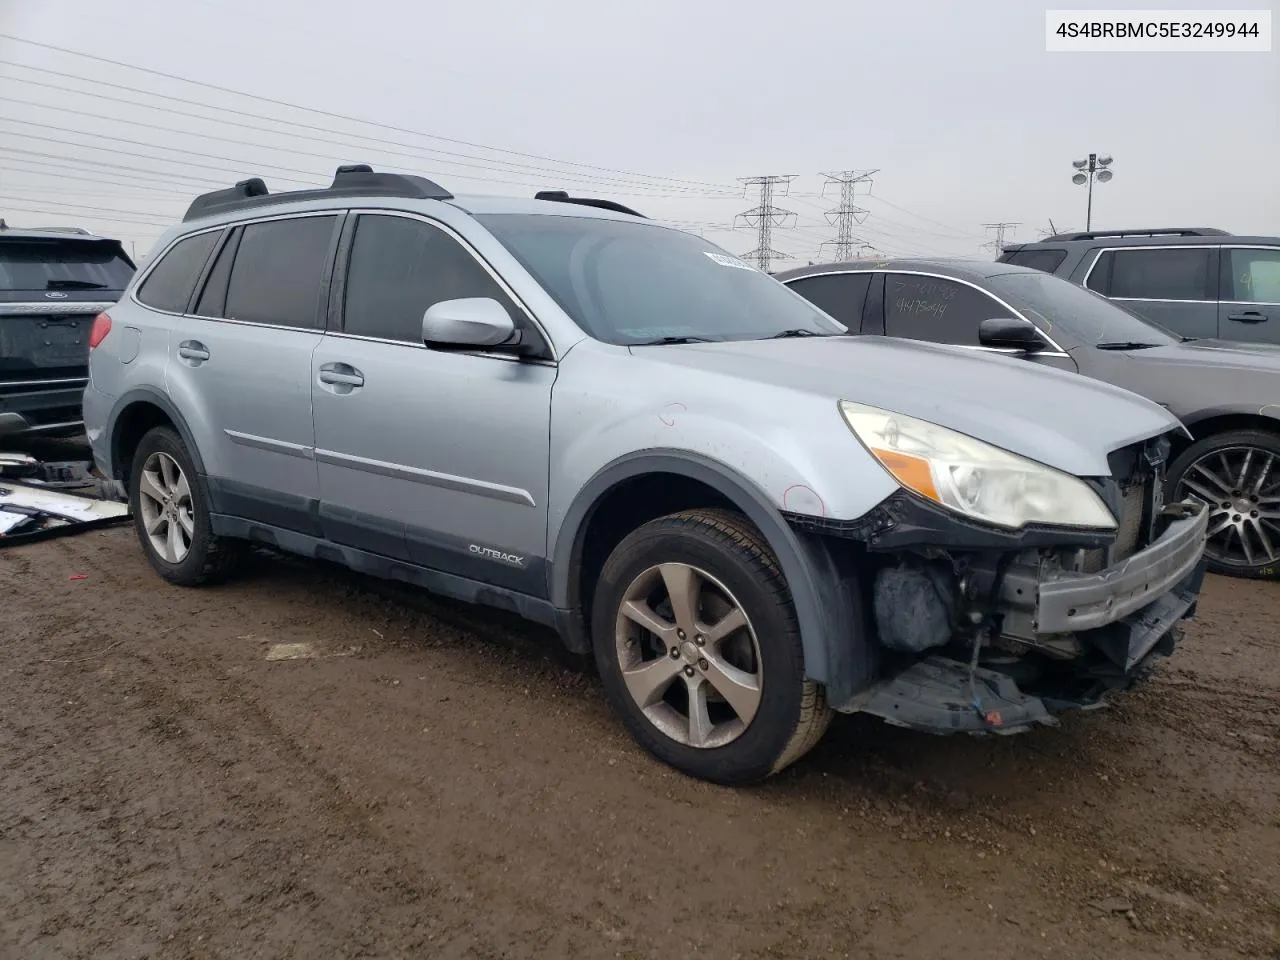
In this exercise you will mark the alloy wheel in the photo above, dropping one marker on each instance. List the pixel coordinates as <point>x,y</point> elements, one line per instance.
<point>1243,493</point>
<point>690,658</point>
<point>164,499</point>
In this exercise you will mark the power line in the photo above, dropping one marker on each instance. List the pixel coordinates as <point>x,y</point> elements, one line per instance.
<point>80,54</point>
<point>847,213</point>
<point>433,157</point>
<point>997,245</point>
<point>765,217</point>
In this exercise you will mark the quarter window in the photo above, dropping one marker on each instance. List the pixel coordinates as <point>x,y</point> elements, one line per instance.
<point>1254,276</point>
<point>1147,274</point>
<point>934,309</point>
<point>278,274</point>
<point>170,284</point>
<point>399,267</point>
<point>1046,260</point>
<point>839,295</point>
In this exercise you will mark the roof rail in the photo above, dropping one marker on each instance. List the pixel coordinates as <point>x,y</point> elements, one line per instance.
<point>561,196</point>
<point>1154,232</point>
<point>350,180</point>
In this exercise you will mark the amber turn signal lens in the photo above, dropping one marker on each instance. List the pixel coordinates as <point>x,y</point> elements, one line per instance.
<point>912,472</point>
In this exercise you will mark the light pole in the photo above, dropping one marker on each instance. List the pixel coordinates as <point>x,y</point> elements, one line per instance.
<point>1097,166</point>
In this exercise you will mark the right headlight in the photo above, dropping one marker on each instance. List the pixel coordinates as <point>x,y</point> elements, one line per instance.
<point>971,477</point>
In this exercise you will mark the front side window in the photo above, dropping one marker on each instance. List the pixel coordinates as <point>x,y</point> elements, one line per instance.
<point>399,267</point>
<point>1175,273</point>
<point>1254,276</point>
<point>632,282</point>
<point>935,309</point>
<point>278,274</point>
<point>170,283</point>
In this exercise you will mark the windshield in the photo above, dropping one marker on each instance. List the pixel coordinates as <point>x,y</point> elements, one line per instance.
<point>40,265</point>
<point>632,282</point>
<point>1054,303</point>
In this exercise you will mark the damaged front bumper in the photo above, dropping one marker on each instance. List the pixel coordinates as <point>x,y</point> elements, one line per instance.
<point>1067,638</point>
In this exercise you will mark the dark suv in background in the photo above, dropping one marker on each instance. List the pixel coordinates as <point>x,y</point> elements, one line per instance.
<point>1199,282</point>
<point>53,282</point>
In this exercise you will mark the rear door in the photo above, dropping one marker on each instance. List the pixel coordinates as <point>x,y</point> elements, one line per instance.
<point>240,367</point>
<point>51,288</point>
<point>1177,287</point>
<point>1250,307</point>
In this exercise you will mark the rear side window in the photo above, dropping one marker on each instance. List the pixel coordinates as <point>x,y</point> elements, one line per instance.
<point>1046,260</point>
<point>171,282</point>
<point>279,271</point>
<point>399,267</point>
<point>1147,274</point>
<point>839,295</point>
<point>58,264</point>
<point>1251,275</point>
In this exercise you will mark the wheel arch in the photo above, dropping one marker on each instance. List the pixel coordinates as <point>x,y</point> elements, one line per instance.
<point>827,603</point>
<point>1215,420</point>
<point>133,415</point>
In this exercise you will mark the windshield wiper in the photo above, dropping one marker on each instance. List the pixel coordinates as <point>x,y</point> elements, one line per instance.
<point>1125,345</point>
<point>670,340</point>
<point>796,332</point>
<point>74,285</point>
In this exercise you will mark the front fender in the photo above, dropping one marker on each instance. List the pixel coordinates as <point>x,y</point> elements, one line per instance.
<point>823,588</point>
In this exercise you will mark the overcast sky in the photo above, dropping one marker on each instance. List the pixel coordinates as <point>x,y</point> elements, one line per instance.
<point>662,105</point>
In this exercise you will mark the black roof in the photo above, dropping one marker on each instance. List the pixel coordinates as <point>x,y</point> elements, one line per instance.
<point>959,269</point>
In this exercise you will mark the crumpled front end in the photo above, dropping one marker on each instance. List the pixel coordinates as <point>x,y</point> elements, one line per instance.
<point>986,631</point>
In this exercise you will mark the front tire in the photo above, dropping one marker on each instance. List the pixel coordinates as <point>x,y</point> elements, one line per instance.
<point>170,510</point>
<point>697,644</point>
<point>1237,474</point>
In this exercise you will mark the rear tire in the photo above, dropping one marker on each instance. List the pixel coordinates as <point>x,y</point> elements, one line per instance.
<point>1238,474</point>
<point>170,508</point>
<point>714,685</point>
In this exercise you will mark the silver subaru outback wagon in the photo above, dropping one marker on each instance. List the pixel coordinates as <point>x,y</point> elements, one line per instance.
<point>556,406</point>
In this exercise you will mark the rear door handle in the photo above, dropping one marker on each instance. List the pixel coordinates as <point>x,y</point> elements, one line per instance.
<point>193,350</point>
<point>1249,316</point>
<point>341,374</point>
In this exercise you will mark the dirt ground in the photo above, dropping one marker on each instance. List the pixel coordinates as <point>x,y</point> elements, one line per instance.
<point>424,780</point>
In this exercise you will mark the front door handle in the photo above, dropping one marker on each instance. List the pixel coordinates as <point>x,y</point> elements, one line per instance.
<point>1249,316</point>
<point>341,374</point>
<point>193,350</point>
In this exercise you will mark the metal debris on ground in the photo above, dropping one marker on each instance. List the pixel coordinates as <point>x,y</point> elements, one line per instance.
<point>37,502</point>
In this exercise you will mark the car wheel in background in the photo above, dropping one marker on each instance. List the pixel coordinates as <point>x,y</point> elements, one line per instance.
<point>1238,475</point>
<point>697,644</point>
<point>171,514</point>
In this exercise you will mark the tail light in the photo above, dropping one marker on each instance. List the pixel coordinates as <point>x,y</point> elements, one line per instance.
<point>98,332</point>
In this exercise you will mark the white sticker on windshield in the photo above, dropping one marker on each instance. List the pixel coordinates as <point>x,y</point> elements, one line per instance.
<point>724,261</point>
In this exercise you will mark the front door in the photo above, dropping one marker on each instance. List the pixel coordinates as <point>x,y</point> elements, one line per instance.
<point>945,310</point>
<point>1250,307</point>
<point>435,457</point>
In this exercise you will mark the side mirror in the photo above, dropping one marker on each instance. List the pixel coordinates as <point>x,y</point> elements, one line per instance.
<point>1010,333</point>
<point>468,323</point>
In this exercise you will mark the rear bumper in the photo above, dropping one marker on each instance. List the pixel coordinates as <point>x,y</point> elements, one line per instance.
<point>41,406</point>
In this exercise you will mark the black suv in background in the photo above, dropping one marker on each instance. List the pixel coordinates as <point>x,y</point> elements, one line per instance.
<point>53,282</point>
<point>1196,281</point>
